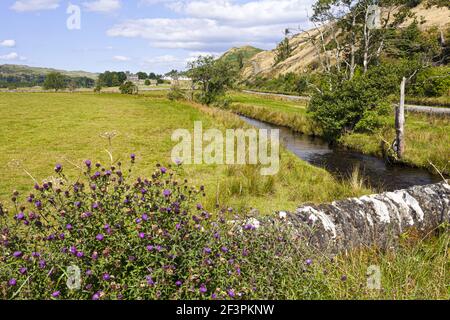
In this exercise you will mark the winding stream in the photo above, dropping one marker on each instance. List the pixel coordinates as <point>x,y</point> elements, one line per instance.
<point>341,162</point>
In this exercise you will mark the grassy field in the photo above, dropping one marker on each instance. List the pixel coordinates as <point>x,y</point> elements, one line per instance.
<point>427,136</point>
<point>42,129</point>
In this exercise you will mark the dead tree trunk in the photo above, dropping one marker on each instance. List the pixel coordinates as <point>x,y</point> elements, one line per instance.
<point>400,121</point>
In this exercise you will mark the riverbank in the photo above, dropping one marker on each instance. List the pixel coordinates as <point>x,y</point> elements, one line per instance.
<point>427,136</point>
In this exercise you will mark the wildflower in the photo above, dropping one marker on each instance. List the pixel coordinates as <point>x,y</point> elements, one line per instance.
<point>88,163</point>
<point>308,262</point>
<point>141,235</point>
<point>344,278</point>
<point>77,204</point>
<point>94,255</point>
<point>42,264</point>
<point>231,293</point>
<point>167,192</point>
<point>38,204</point>
<point>62,236</point>
<point>149,248</point>
<point>207,250</point>
<point>224,249</point>
<point>145,217</point>
<point>106,277</point>
<point>69,227</point>
<point>163,170</point>
<point>203,288</point>
<point>56,294</point>
<point>58,168</point>
<point>150,281</point>
<point>12,282</point>
<point>214,296</point>
<point>95,205</point>
<point>199,206</point>
<point>23,270</point>
<point>178,283</point>
<point>96,296</point>
<point>35,254</point>
<point>80,254</point>
<point>17,254</point>
<point>100,237</point>
<point>89,272</point>
<point>133,157</point>
<point>73,250</point>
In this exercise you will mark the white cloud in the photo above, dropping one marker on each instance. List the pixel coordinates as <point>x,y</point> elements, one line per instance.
<point>8,43</point>
<point>250,13</point>
<point>10,56</point>
<point>121,58</point>
<point>102,5</point>
<point>196,34</point>
<point>35,5</point>
<point>217,25</point>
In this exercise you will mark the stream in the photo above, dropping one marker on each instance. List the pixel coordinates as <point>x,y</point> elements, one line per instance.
<point>341,162</point>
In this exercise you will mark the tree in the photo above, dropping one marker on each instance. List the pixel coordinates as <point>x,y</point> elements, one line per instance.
<point>213,77</point>
<point>142,75</point>
<point>283,50</point>
<point>152,76</point>
<point>55,81</point>
<point>128,88</point>
<point>147,82</point>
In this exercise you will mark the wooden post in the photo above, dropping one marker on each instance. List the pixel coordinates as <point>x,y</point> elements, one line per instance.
<point>400,121</point>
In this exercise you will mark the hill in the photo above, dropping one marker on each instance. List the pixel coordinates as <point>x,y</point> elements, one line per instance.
<point>12,75</point>
<point>240,56</point>
<point>304,54</point>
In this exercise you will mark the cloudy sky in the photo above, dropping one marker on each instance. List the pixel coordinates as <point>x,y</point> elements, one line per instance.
<point>148,35</point>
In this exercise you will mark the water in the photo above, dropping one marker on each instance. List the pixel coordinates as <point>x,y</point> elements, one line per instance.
<point>341,162</point>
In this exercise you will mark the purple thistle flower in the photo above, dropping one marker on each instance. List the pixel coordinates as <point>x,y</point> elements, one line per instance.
<point>149,248</point>
<point>231,293</point>
<point>150,281</point>
<point>73,250</point>
<point>23,270</point>
<point>62,236</point>
<point>100,237</point>
<point>214,296</point>
<point>77,204</point>
<point>95,205</point>
<point>89,272</point>
<point>207,250</point>
<point>12,282</point>
<point>94,256</point>
<point>224,249</point>
<point>20,216</point>
<point>88,163</point>
<point>56,294</point>
<point>178,226</point>
<point>133,156</point>
<point>96,296</point>
<point>17,254</point>
<point>167,192</point>
<point>58,168</point>
<point>178,283</point>
<point>42,264</point>
<point>145,217</point>
<point>141,235</point>
<point>38,204</point>
<point>199,206</point>
<point>106,277</point>
<point>80,254</point>
<point>69,227</point>
<point>203,288</point>
<point>35,254</point>
<point>344,278</point>
<point>163,170</point>
<point>308,262</point>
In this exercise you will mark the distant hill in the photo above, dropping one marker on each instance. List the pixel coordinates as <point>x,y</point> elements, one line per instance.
<point>23,69</point>
<point>240,55</point>
<point>304,54</point>
<point>26,76</point>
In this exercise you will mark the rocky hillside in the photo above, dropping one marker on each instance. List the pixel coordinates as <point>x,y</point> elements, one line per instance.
<point>303,55</point>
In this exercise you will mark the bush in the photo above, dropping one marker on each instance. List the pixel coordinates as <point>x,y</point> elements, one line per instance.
<point>432,82</point>
<point>128,88</point>
<point>98,88</point>
<point>340,110</point>
<point>176,93</point>
<point>142,239</point>
<point>147,82</point>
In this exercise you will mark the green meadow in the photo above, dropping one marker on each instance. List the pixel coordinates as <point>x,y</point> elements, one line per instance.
<point>39,130</point>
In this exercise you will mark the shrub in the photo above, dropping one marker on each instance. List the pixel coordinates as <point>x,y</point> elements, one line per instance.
<point>432,82</point>
<point>147,82</point>
<point>176,93</point>
<point>128,88</point>
<point>141,239</point>
<point>98,88</point>
<point>340,110</point>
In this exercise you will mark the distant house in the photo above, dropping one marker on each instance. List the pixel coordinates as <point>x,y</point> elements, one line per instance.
<point>132,77</point>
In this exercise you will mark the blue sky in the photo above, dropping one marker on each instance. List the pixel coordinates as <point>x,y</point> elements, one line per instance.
<point>147,35</point>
